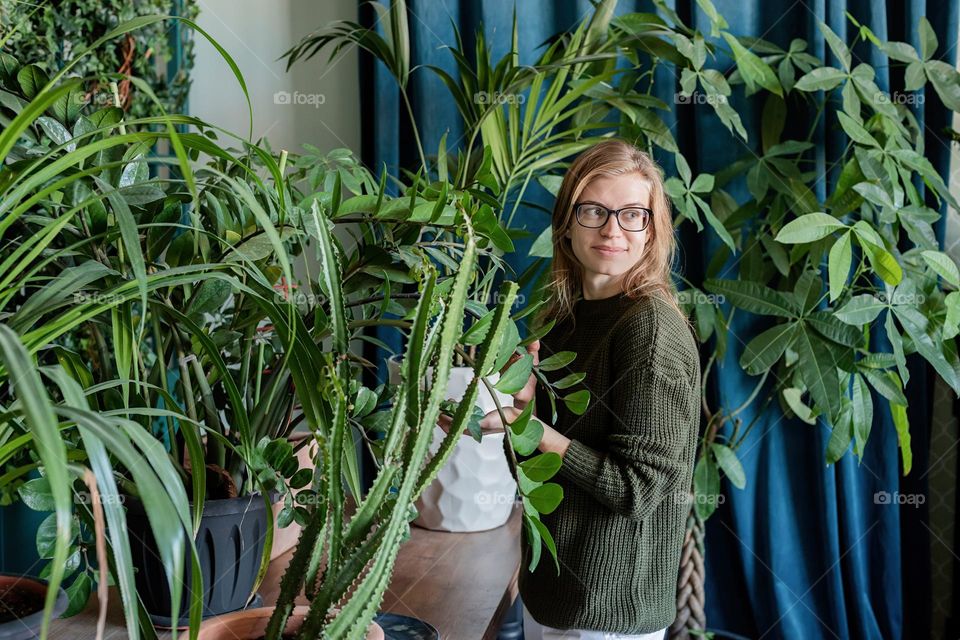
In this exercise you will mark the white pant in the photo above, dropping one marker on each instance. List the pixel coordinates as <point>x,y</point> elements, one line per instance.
<point>549,633</point>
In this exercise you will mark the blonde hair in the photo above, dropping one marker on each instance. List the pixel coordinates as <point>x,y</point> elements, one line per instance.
<point>650,276</point>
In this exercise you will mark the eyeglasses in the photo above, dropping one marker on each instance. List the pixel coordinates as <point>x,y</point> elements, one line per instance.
<point>595,216</point>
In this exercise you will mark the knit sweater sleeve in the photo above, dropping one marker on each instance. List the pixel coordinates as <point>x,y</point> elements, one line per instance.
<point>653,406</point>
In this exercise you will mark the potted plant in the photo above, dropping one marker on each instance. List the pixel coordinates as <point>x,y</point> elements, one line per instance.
<point>23,599</point>
<point>475,490</point>
<point>112,274</point>
<point>344,564</point>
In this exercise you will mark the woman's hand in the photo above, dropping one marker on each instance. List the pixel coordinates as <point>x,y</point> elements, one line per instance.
<point>490,423</point>
<point>523,397</point>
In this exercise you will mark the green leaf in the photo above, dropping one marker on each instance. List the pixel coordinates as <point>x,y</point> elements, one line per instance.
<point>36,494</point>
<point>819,372</point>
<point>706,483</point>
<point>32,79</point>
<point>820,79</point>
<point>808,228</point>
<point>755,71</point>
<point>516,376</point>
<point>917,327</point>
<point>569,380</point>
<point>860,310</point>
<point>862,414</point>
<point>78,594</point>
<point>542,467</point>
<point>763,351</point>
<point>546,497</point>
<point>526,434</point>
<point>730,464</point>
<point>577,401</point>
<point>547,540</point>
<point>841,257</point>
<point>902,424</point>
<point>928,38</point>
<point>839,49</point>
<point>753,297</point>
<point>886,383</point>
<point>557,361</point>
<point>945,267</point>
<point>856,131</point>
<point>841,436</point>
<point>792,396</point>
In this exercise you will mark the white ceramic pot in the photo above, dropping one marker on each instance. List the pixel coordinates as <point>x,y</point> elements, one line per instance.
<point>474,490</point>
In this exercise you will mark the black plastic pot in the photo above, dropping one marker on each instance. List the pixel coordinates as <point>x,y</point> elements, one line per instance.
<point>28,626</point>
<point>230,545</point>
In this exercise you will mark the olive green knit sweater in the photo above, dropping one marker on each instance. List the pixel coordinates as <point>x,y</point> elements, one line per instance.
<point>627,470</point>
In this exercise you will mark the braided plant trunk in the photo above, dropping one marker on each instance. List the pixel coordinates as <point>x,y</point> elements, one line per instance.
<point>690,581</point>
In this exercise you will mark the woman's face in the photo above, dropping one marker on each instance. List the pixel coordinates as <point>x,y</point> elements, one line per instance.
<point>602,267</point>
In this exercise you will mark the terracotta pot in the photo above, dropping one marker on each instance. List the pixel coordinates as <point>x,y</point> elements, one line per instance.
<point>28,587</point>
<point>251,624</point>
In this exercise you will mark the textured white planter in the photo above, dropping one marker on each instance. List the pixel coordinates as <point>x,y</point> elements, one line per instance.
<point>474,490</point>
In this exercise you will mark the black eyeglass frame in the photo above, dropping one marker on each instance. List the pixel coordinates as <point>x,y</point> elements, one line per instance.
<point>616,214</point>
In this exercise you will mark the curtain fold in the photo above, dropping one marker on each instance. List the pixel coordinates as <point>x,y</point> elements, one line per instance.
<point>805,550</point>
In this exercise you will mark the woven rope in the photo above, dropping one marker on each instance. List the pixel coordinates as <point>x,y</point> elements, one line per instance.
<point>690,598</point>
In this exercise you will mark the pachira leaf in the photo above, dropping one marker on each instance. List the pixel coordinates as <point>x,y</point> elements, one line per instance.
<point>901,423</point>
<point>819,372</point>
<point>755,72</point>
<point>840,259</point>
<point>841,435</point>
<point>706,484</point>
<point>809,228</point>
<point>945,267</point>
<point>886,383</point>
<point>792,396</point>
<point>820,79</point>
<point>862,414</point>
<point>730,464</point>
<point>754,297</point>
<point>763,351</point>
<point>861,309</point>
<point>951,324</point>
<point>936,352</point>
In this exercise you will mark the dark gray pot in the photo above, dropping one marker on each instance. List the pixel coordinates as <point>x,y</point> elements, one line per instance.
<point>230,545</point>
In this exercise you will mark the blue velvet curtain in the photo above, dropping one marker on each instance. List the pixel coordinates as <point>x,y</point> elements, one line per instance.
<point>804,551</point>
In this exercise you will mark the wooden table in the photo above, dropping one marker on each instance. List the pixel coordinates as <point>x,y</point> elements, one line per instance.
<point>461,583</point>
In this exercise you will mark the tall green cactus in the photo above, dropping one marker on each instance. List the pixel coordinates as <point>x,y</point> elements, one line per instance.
<point>359,554</point>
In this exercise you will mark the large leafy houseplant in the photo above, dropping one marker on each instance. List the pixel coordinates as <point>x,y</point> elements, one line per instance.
<point>820,269</point>
<point>121,277</point>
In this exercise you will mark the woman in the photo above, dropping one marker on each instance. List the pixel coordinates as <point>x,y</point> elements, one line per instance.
<point>628,460</point>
